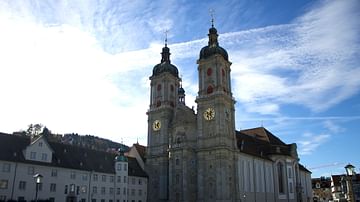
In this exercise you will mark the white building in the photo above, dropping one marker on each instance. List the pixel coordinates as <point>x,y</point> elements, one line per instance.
<point>70,173</point>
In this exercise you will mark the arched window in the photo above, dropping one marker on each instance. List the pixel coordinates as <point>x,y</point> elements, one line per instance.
<point>280,172</point>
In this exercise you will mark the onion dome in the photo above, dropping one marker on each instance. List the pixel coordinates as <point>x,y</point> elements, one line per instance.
<point>121,157</point>
<point>213,46</point>
<point>165,65</point>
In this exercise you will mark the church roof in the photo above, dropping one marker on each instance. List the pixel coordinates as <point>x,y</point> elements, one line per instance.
<point>262,143</point>
<point>64,155</point>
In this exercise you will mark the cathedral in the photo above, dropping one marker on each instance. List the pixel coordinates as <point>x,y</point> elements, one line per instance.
<point>200,156</point>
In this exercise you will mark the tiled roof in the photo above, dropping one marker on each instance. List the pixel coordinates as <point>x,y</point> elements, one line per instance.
<point>66,156</point>
<point>141,149</point>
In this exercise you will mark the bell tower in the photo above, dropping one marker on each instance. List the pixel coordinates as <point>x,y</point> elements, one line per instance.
<point>164,84</point>
<point>216,124</point>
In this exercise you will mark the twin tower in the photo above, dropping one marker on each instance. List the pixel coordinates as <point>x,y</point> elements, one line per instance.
<point>191,156</point>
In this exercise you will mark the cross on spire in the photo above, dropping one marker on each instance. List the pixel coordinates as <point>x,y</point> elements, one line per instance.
<point>212,14</point>
<point>166,33</point>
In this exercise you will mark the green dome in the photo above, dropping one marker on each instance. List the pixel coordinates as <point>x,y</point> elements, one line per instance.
<point>213,47</point>
<point>121,158</point>
<point>165,65</point>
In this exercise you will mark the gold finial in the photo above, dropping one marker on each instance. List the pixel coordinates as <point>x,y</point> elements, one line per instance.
<point>212,14</point>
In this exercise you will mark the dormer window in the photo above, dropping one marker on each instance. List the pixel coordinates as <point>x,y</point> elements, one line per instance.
<point>40,144</point>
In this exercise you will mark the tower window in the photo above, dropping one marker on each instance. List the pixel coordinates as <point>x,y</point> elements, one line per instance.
<point>159,87</point>
<point>209,89</point>
<point>209,71</point>
<point>223,72</point>
<point>172,88</point>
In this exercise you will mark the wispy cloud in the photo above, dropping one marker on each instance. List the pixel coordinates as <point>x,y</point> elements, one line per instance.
<point>86,70</point>
<point>311,142</point>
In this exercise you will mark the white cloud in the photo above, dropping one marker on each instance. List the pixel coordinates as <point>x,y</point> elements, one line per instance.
<point>311,142</point>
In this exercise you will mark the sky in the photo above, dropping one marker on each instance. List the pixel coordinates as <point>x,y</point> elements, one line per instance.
<point>84,66</point>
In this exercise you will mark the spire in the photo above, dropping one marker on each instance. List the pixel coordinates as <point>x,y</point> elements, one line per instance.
<point>213,36</point>
<point>165,54</point>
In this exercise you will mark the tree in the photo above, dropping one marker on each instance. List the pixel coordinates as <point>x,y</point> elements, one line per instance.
<point>34,129</point>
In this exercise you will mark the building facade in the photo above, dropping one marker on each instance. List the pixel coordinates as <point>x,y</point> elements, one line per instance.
<point>199,156</point>
<point>70,173</point>
<point>321,189</point>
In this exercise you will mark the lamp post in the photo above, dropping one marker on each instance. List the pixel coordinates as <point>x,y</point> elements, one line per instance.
<point>350,171</point>
<point>38,179</point>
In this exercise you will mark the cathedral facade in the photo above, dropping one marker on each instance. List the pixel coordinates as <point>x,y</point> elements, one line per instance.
<point>199,156</point>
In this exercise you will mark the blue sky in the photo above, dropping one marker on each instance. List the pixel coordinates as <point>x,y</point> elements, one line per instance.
<point>83,66</point>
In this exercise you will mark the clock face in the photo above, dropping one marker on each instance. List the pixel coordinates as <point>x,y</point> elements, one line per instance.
<point>156,125</point>
<point>209,114</point>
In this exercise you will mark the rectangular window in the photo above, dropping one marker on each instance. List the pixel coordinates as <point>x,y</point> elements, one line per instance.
<point>32,155</point>
<point>118,179</point>
<point>111,191</point>
<point>6,167</point>
<point>132,192</point>
<point>40,186</point>
<point>4,184</point>
<point>103,178</point>
<point>40,144</point>
<point>140,192</point>
<point>94,190</point>
<point>124,179</point>
<point>53,173</point>
<point>289,173</point>
<point>31,170</point>
<point>140,182</point>
<point>93,200</point>
<point>291,187</point>
<point>125,167</point>
<point>118,191</point>
<point>118,167</point>
<point>111,178</point>
<point>44,156</point>
<point>72,175</point>
<point>102,200</point>
<point>133,181</point>
<point>66,189</point>
<point>102,190</point>
<point>52,199</point>
<point>83,200</point>
<point>95,177</point>
<point>124,191</point>
<point>52,187</point>
<point>22,185</point>
<point>84,177</point>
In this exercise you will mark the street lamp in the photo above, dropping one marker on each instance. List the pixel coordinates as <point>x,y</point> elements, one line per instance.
<point>350,171</point>
<point>38,178</point>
